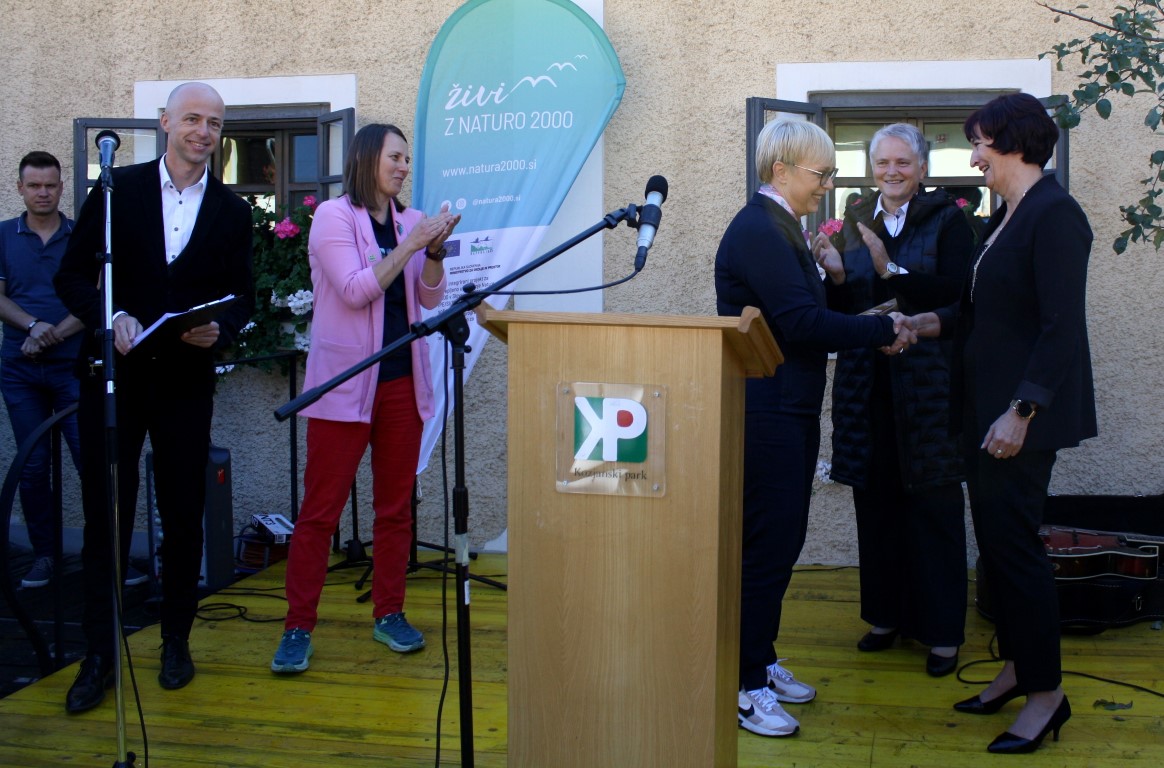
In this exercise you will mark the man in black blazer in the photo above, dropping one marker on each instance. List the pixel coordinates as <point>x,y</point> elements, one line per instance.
<point>180,238</point>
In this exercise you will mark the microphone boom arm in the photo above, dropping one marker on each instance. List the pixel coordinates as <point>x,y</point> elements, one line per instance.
<point>470,300</point>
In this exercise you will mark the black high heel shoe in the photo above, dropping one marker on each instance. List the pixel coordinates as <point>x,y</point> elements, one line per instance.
<point>1009,744</point>
<point>877,641</point>
<point>976,706</point>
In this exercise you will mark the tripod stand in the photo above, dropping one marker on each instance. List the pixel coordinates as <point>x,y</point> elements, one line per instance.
<point>454,326</point>
<point>414,563</point>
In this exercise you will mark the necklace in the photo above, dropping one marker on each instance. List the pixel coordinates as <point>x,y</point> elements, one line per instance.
<point>974,273</point>
<point>990,241</point>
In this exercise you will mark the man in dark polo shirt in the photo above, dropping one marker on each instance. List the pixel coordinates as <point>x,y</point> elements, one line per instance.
<point>40,343</point>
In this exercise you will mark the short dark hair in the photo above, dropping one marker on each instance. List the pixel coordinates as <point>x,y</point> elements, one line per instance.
<point>362,161</point>
<point>1016,122</point>
<point>38,159</point>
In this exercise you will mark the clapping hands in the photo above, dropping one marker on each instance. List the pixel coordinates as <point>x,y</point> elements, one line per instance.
<point>828,258</point>
<point>876,248</point>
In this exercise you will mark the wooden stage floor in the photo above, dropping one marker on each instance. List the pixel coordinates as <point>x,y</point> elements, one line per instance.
<point>363,705</point>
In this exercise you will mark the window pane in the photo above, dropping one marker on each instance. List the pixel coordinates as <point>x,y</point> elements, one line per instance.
<point>335,149</point>
<point>303,157</point>
<point>949,150</point>
<point>334,190</point>
<point>138,145</point>
<point>248,160</point>
<point>852,140</point>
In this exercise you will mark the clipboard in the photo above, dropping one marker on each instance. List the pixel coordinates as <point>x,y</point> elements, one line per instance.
<point>177,323</point>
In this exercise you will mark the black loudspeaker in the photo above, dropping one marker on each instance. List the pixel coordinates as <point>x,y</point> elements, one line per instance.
<point>217,522</point>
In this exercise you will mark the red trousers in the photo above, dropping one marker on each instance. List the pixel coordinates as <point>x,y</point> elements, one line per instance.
<point>334,450</point>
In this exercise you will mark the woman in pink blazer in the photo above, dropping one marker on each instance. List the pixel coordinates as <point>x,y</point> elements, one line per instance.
<point>374,264</point>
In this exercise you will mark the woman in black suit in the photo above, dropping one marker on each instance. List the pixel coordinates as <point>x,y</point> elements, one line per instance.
<point>1021,390</point>
<point>764,261</point>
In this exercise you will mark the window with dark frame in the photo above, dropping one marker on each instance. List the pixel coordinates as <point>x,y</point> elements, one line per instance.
<point>851,119</point>
<point>279,154</point>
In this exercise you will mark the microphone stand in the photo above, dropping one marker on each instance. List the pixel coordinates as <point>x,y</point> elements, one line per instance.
<point>125,759</point>
<point>455,327</point>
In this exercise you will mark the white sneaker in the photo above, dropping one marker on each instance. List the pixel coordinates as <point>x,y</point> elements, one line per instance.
<point>786,687</point>
<point>761,713</point>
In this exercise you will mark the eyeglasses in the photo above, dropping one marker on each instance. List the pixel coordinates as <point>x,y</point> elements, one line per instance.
<point>826,176</point>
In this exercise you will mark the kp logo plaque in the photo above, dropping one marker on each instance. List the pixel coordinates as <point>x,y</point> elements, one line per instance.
<point>611,439</point>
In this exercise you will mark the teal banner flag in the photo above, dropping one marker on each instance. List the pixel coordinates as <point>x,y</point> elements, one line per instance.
<point>514,96</point>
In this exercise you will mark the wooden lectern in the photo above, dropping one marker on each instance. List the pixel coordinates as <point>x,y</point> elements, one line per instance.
<point>624,576</point>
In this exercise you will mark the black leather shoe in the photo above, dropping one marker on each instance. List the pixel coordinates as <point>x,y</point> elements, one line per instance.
<point>976,706</point>
<point>873,641</point>
<point>88,690</point>
<point>940,666</point>
<point>1009,744</point>
<point>177,666</point>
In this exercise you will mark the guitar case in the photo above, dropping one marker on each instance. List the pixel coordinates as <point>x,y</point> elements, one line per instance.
<point>1091,605</point>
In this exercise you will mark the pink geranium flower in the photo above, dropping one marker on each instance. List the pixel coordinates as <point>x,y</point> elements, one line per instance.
<point>309,201</point>
<point>961,202</point>
<point>286,228</point>
<point>830,227</point>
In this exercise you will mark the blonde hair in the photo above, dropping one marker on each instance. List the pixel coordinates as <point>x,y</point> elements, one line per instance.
<point>791,142</point>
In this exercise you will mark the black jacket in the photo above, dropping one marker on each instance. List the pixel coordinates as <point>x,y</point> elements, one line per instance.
<point>215,262</point>
<point>763,261</point>
<point>934,245</point>
<point>1023,334</point>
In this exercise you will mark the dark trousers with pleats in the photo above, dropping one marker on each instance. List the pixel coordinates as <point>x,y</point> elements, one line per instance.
<point>912,544</point>
<point>176,415</point>
<point>780,454</point>
<point>1007,497</point>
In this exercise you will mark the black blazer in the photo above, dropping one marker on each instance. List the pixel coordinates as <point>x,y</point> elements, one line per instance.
<point>215,262</point>
<point>764,262</point>
<point>1020,328</point>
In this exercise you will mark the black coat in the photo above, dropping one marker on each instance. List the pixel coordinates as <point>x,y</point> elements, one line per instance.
<point>215,262</point>
<point>763,261</point>
<point>935,245</point>
<point>1023,333</point>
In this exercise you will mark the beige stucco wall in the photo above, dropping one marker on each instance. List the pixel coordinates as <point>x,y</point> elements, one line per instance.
<point>689,67</point>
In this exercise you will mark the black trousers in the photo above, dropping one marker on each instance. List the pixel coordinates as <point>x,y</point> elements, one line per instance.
<point>912,544</point>
<point>780,454</point>
<point>176,416</point>
<point>1006,500</point>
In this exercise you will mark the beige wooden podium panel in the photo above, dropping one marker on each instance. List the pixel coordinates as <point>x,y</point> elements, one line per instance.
<point>624,610</point>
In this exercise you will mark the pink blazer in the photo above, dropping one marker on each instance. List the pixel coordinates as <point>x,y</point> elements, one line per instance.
<point>348,321</point>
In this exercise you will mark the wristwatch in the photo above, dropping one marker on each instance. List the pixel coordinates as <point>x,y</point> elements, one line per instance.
<point>32,325</point>
<point>1024,408</point>
<point>439,255</point>
<point>892,270</point>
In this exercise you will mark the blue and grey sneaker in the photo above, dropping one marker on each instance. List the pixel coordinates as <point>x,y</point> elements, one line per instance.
<point>39,575</point>
<point>395,632</point>
<point>294,651</point>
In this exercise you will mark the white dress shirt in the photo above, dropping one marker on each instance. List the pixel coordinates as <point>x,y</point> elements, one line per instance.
<point>893,221</point>
<point>179,210</point>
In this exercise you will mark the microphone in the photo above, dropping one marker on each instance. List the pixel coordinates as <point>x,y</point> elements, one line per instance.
<point>650,217</point>
<point>107,144</point>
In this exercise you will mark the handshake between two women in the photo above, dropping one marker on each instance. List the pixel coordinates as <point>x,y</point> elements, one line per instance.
<point>910,328</point>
